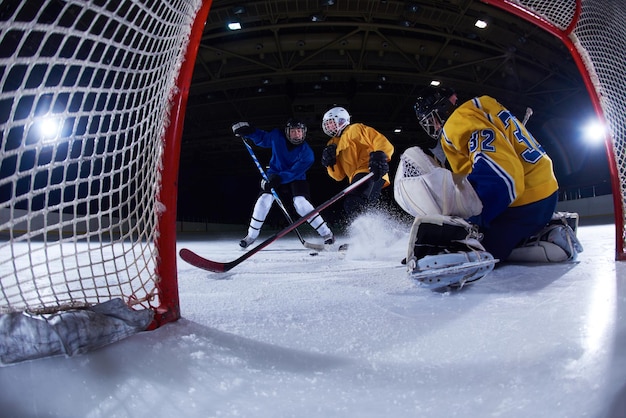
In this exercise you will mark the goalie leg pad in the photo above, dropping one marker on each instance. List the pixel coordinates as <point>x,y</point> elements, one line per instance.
<point>435,234</point>
<point>539,252</point>
<point>555,243</point>
<point>446,251</point>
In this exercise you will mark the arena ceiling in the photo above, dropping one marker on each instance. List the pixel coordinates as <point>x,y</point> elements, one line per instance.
<point>298,58</point>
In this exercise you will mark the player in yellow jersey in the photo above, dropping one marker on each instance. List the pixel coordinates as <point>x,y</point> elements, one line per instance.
<point>353,151</point>
<point>500,188</point>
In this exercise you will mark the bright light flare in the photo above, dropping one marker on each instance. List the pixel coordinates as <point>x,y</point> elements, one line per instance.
<point>49,129</point>
<point>594,132</point>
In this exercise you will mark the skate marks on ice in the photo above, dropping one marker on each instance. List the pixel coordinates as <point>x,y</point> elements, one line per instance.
<point>502,285</point>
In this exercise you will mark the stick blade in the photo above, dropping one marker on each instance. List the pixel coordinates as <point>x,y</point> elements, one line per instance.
<point>313,246</point>
<point>201,262</point>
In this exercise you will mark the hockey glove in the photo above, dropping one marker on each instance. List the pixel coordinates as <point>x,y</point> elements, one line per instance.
<point>272,182</point>
<point>329,155</point>
<point>242,129</point>
<point>378,164</point>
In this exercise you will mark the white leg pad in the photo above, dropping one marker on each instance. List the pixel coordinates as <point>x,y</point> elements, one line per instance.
<point>556,243</point>
<point>540,252</point>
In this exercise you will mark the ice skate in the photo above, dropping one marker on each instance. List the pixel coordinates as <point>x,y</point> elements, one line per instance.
<point>446,251</point>
<point>246,242</point>
<point>451,269</point>
<point>329,239</point>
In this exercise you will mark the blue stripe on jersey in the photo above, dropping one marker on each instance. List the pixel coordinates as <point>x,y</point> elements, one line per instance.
<point>494,188</point>
<point>481,159</point>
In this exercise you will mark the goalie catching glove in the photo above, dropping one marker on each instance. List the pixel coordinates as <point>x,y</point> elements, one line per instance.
<point>446,251</point>
<point>422,187</point>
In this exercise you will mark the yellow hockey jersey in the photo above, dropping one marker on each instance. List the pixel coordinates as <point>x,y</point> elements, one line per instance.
<point>503,161</point>
<point>353,151</point>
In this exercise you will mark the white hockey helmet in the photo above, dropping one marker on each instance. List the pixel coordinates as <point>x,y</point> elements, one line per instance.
<point>335,120</point>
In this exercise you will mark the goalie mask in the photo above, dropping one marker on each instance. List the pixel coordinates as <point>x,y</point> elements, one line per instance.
<point>432,108</point>
<point>334,121</point>
<point>295,131</point>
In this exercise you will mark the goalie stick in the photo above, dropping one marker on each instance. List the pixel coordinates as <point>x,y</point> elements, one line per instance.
<point>221,267</point>
<point>529,113</point>
<point>306,244</point>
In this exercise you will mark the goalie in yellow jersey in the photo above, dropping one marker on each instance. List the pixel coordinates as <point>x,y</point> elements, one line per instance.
<point>499,192</point>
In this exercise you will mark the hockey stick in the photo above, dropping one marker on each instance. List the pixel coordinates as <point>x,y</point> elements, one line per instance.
<point>220,267</point>
<point>278,201</point>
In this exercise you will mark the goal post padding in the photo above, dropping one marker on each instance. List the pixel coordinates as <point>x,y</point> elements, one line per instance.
<point>92,102</point>
<point>590,29</point>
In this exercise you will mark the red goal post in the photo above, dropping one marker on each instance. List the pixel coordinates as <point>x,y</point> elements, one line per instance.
<point>590,29</point>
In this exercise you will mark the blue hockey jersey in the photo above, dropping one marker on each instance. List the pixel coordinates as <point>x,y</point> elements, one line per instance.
<point>290,162</point>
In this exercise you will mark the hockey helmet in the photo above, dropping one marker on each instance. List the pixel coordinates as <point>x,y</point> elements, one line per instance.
<point>295,131</point>
<point>433,107</point>
<point>335,120</point>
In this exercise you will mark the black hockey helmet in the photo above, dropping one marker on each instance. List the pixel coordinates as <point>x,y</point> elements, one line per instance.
<point>295,124</point>
<point>433,108</point>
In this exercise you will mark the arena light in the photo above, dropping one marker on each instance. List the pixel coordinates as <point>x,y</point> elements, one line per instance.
<point>235,25</point>
<point>481,24</point>
<point>594,132</point>
<point>49,129</point>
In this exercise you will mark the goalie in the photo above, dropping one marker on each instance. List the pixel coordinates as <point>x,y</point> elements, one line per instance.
<point>495,202</point>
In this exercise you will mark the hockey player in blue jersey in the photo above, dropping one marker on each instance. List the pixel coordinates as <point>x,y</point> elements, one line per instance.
<point>500,188</point>
<point>291,159</point>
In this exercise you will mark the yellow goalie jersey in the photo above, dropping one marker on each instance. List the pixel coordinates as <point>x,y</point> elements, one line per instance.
<point>503,161</point>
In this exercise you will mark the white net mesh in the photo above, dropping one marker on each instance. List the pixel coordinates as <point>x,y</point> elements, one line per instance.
<point>84,102</point>
<point>597,30</point>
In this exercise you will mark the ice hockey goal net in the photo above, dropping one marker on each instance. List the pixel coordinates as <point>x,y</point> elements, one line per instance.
<point>92,95</point>
<point>591,29</point>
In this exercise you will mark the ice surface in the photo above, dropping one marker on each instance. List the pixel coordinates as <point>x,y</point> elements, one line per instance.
<point>288,334</point>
